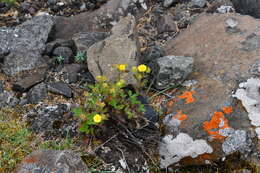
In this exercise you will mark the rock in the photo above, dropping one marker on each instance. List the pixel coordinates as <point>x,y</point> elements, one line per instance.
<point>59,43</point>
<point>166,24</point>
<point>60,88</point>
<point>37,93</point>
<point>52,161</point>
<point>170,70</point>
<point>250,7</point>
<point>52,121</point>
<point>25,44</point>
<point>100,20</point>
<point>119,48</point>
<point>255,69</point>
<point>222,60</point>
<point>198,3</point>
<point>84,40</point>
<point>72,72</point>
<point>1,87</point>
<point>168,3</point>
<point>151,54</point>
<point>65,52</point>
<point>24,84</point>
<point>8,99</point>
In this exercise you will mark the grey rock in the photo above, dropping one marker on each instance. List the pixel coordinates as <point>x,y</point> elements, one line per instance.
<point>1,87</point>
<point>249,7</point>
<point>152,53</point>
<point>170,70</point>
<point>166,23</point>
<point>168,3</point>
<point>119,48</point>
<point>255,69</point>
<point>37,93</point>
<point>252,42</point>
<point>52,2</point>
<point>65,52</point>
<point>237,141</point>
<point>59,43</point>
<point>8,99</point>
<point>25,44</point>
<point>84,40</point>
<point>72,72</point>
<point>29,81</point>
<point>198,3</point>
<point>52,121</point>
<point>48,161</point>
<point>60,88</point>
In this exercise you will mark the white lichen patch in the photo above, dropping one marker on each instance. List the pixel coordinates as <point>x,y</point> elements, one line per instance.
<point>172,150</point>
<point>236,141</point>
<point>248,93</point>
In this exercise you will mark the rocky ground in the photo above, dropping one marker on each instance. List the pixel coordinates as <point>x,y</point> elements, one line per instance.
<point>201,101</point>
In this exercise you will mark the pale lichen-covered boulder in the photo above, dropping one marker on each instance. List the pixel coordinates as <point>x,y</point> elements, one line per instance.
<point>225,48</point>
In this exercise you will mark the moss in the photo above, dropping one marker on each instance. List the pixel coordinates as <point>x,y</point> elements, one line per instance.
<point>15,140</point>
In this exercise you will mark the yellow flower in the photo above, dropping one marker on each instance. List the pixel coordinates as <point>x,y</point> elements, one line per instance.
<point>142,68</point>
<point>148,70</point>
<point>85,93</point>
<point>97,118</point>
<point>121,67</point>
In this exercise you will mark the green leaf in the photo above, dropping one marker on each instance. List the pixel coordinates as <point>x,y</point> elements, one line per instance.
<point>77,111</point>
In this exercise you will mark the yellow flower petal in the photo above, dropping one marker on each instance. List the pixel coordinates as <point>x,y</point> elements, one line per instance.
<point>97,118</point>
<point>142,68</point>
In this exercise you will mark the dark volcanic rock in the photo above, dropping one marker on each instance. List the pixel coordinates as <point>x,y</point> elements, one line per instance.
<point>37,93</point>
<point>84,40</point>
<point>52,161</point>
<point>52,121</point>
<point>72,72</point>
<point>25,44</point>
<point>29,81</point>
<point>59,43</point>
<point>60,88</point>
<point>65,52</point>
<point>250,7</point>
<point>170,70</point>
<point>151,54</point>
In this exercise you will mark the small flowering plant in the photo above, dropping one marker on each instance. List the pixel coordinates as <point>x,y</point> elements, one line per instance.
<point>110,100</point>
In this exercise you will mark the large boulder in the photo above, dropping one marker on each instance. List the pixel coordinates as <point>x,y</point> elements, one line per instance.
<point>224,48</point>
<point>250,7</point>
<point>52,161</point>
<point>119,48</point>
<point>21,48</point>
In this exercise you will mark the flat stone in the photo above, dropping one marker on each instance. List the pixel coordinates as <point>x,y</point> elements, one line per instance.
<point>60,88</point>
<point>29,81</point>
<point>52,161</point>
<point>37,93</point>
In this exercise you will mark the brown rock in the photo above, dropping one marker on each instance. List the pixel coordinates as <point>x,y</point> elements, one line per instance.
<point>223,54</point>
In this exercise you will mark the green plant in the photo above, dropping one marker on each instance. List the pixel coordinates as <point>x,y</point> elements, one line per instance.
<point>9,2</point>
<point>60,59</point>
<point>80,57</point>
<point>15,141</point>
<point>109,100</point>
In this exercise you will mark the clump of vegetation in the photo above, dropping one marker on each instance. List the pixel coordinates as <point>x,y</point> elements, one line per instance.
<point>80,57</point>
<point>15,140</point>
<point>110,100</point>
<point>9,2</point>
<point>60,59</point>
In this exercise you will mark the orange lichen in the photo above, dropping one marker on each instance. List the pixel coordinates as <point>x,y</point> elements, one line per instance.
<point>188,96</point>
<point>227,110</point>
<point>180,116</point>
<point>217,122</point>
